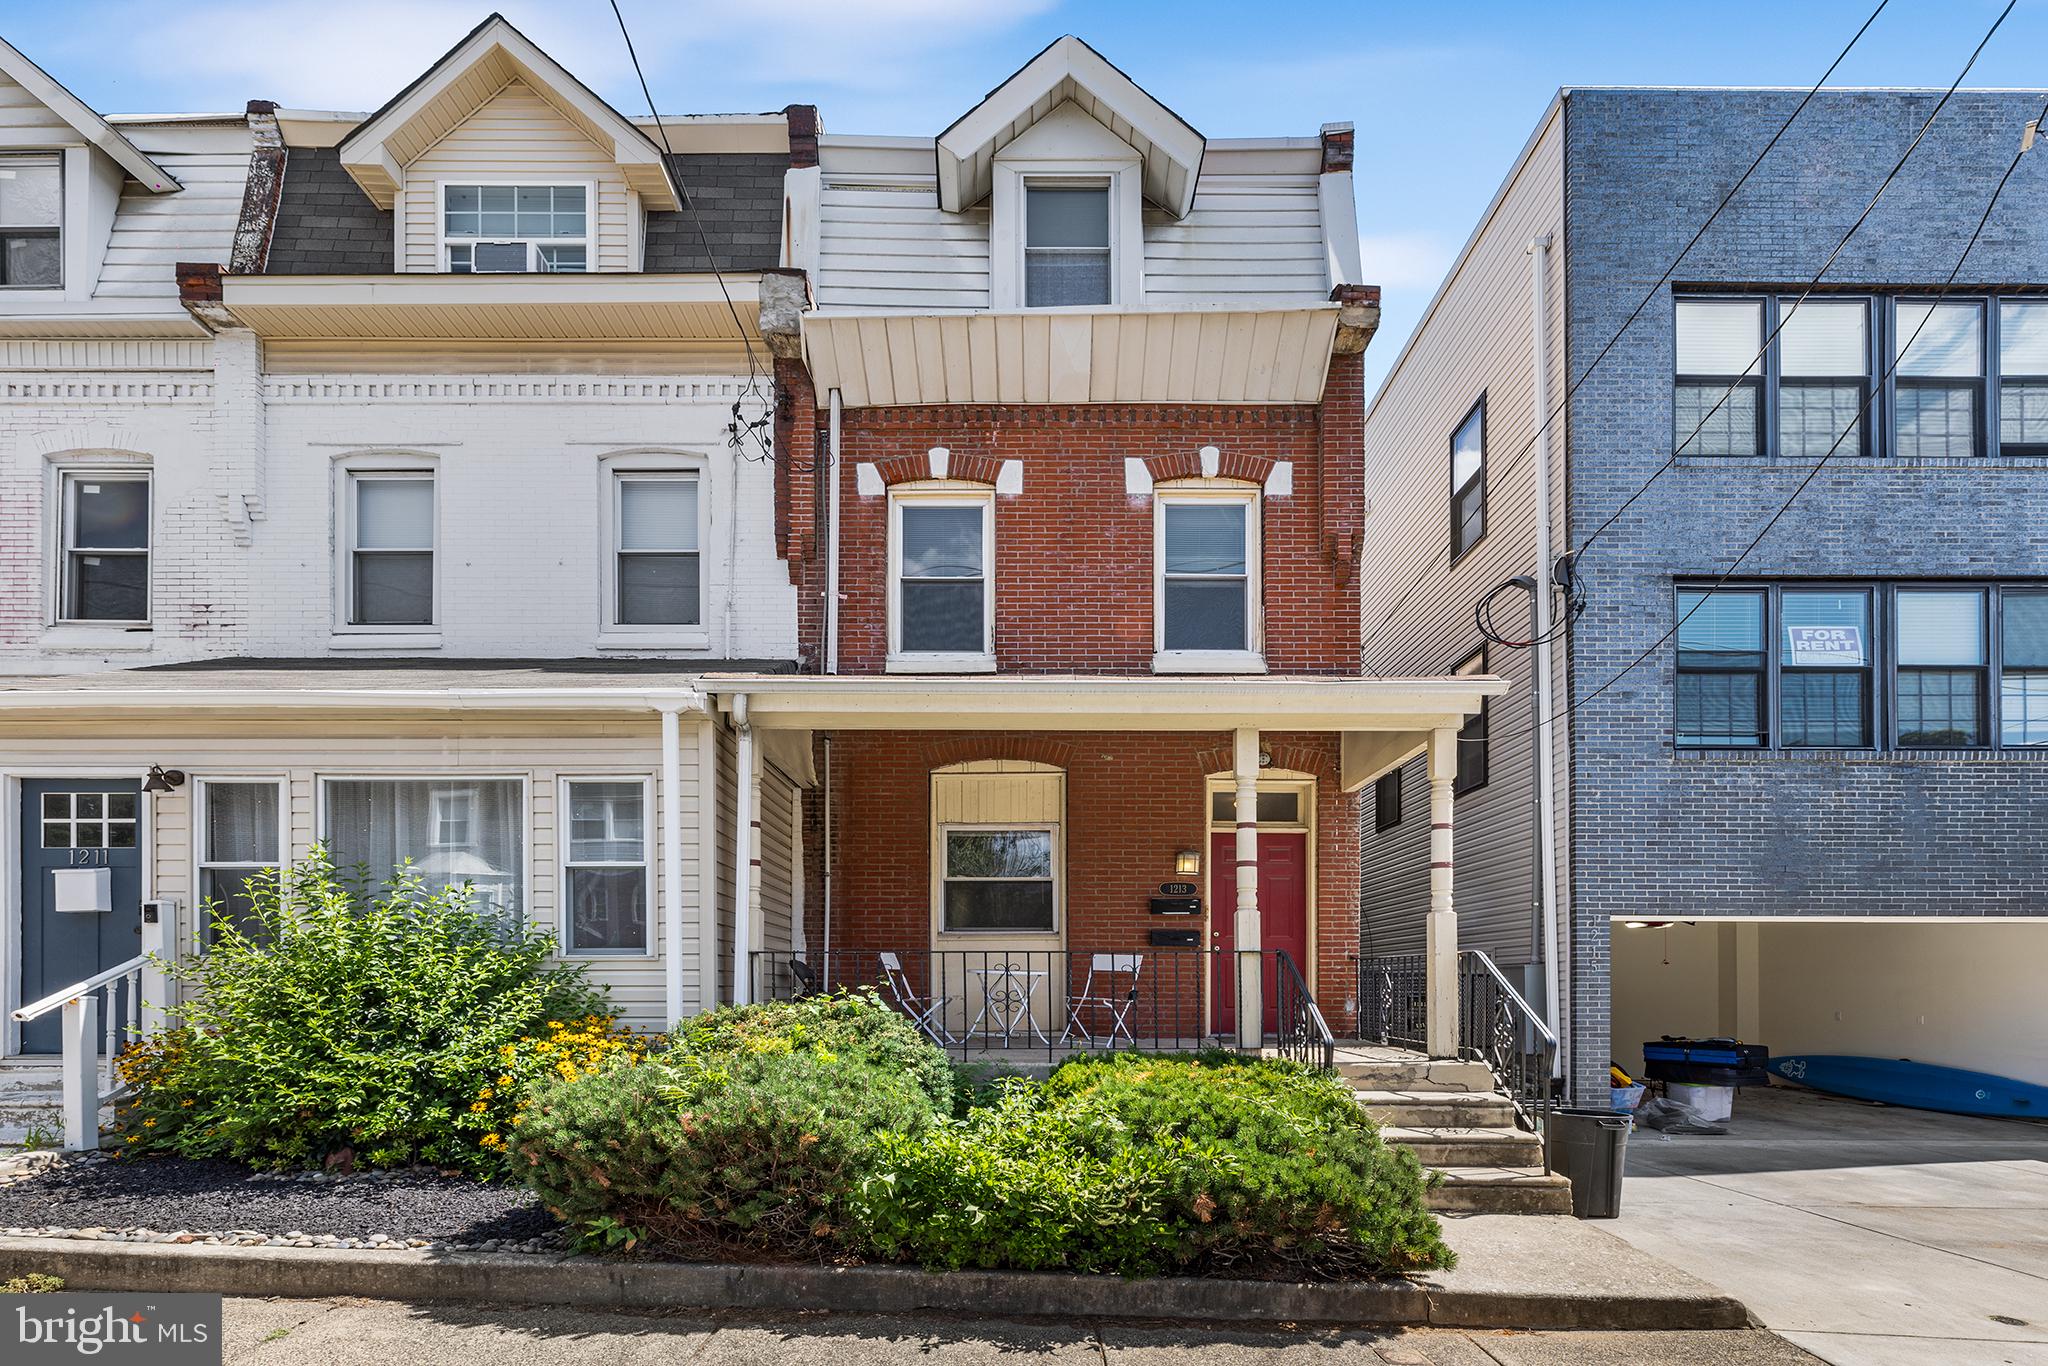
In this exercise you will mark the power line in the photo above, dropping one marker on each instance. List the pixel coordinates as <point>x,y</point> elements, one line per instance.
<point>1647,299</point>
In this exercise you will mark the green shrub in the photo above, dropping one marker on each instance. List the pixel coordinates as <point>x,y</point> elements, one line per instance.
<point>749,1133</point>
<point>34,1283</point>
<point>334,1023</point>
<point>1143,1164</point>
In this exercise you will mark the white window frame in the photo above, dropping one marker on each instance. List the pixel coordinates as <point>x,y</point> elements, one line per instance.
<point>943,661</point>
<point>1126,227</point>
<point>614,471</point>
<point>413,634</point>
<point>1251,659</point>
<point>450,806</point>
<point>565,906</point>
<point>940,870</point>
<point>442,241</point>
<point>67,269</point>
<point>67,477</point>
<point>202,864</point>
<point>524,910</point>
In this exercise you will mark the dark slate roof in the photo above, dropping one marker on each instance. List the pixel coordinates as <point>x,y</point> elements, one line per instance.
<point>326,225</point>
<point>737,201</point>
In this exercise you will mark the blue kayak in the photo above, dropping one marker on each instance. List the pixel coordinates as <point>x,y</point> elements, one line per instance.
<point>1915,1085</point>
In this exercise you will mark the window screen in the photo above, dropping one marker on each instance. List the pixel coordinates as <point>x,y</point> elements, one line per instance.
<point>1066,245</point>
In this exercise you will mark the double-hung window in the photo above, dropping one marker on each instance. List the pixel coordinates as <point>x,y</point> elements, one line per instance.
<point>1939,381</point>
<point>1823,376</point>
<point>1824,673</point>
<point>943,600</point>
<point>1717,396</point>
<point>2023,377</point>
<point>607,876</point>
<point>1208,581</point>
<point>1468,481</point>
<point>391,548</point>
<point>657,572</point>
<point>1721,656</point>
<point>31,222</point>
<point>1066,243</point>
<point>1941,672</point>
<point>105,568</point>
<point>239,839</point>
<point>2023,679</point>
<point>999,879</point>
<point>454,832</point>
<point>494,229</point>
<point>1386,801</point>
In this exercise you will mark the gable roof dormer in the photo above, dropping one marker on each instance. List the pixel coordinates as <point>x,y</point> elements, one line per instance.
<point>493,56</point>
<point>84,121</point>
<point>1070,71</point>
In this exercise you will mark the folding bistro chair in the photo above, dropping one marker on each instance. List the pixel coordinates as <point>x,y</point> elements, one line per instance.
<point>1101,994</point>
<point>922,1010</point>
<point>806,978</point>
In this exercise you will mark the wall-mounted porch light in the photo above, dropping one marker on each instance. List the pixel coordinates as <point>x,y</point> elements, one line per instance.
<point>1188,862</point>
<point>161,779</point>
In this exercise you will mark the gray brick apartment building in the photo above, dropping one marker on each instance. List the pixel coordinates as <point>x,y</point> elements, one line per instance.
<point>1822,797</point>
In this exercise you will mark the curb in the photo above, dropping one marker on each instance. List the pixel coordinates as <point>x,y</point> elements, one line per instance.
<point>506,1277</point>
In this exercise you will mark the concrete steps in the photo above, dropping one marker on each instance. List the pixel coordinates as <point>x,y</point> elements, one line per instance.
<point>31,1103</point>
<point>1456,1121</point>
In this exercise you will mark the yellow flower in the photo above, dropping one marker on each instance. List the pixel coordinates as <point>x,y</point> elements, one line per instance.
<point>489,1141</point>
<point>484,1094</point>
<point>135,1138</point>
<point>149,1124</point>
<point>478,1107</point>
<point>505,1081</point>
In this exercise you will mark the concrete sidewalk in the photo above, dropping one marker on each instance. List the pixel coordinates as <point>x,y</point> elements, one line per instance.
<point>349,1332</point>
<point>1867,1234</point>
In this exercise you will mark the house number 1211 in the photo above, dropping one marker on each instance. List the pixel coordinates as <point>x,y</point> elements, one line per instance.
<point>90,858</point>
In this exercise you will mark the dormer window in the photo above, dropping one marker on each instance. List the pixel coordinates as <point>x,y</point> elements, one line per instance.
<point>1066,243</point>
<point>511,229</point>
<point>31,218</point>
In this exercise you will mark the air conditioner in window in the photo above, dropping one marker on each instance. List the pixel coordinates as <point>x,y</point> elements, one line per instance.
<point>500,258</point>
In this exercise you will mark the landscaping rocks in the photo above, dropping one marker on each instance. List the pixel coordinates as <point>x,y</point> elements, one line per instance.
<point>91,1197</point>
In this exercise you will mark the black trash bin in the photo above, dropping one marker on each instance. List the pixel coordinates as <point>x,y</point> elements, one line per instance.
<point>1588,1147</point>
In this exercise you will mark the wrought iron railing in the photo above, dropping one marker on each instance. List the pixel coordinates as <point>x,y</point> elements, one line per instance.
<point>1393,1000</point>
<point>1499,1028</point>
<point>1027,1005</point>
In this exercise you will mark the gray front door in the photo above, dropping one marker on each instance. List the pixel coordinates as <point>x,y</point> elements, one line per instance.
<point>83,828</point>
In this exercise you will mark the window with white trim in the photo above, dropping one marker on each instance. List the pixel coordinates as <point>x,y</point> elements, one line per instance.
<point>942,557</point>
<point>31,222</point>
<point>607,871</point>
<point>105,566</point>
<point>239,839</point>
<point>999,878</point>
<point>383,824</point>
<point>390,519</point>
<point>1207,573</point>
<point>1067,253</point>
<point>657,572</point>
<point>501,229</point>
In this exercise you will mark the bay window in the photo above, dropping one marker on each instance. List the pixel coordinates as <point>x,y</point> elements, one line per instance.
<point>657,572</point>
<point>239,839</point>
<point>390,521</point>
<point>455,832</point>
<point>1939,381</point>
<point>1207,583</point>
<point>607,875</point>
<point>2023,377</point>
<point>999,879</point>
<point>494,229</point>
<point>31,222</point>
<point>104,572</point>
<point>942,603</point>
<point>1717,394</point>
<point>1721,659</point>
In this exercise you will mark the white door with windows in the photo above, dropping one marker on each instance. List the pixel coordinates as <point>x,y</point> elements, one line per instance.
<point>998,901</point>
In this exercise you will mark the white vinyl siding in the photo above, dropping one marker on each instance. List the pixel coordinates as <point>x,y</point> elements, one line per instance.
<point>154,232</point>
<point>1249,238</point>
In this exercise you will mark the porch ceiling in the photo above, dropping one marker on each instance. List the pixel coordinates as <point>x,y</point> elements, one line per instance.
<point>1082,702</point>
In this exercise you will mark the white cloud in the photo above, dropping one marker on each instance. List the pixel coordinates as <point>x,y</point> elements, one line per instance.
<point>1405,261</point>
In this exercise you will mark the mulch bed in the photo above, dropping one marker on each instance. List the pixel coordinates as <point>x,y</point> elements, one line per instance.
<point>179,1200</point>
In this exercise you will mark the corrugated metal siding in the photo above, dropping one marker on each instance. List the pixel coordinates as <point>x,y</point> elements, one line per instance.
<point>516,135</point>
<point>1475,340</point>
<point>637,985</point>
<point>153,232</point>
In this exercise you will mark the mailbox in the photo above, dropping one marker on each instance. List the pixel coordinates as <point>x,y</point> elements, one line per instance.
<point>1176,905</point>
<point>1176,939</point>
<point>82,891</point>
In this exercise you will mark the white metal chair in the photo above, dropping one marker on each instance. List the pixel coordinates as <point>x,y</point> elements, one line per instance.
<point>1101,994</point>
<point>923,1010</point>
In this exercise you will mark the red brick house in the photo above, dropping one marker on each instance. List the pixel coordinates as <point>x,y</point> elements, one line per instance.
<point>1070,486</point>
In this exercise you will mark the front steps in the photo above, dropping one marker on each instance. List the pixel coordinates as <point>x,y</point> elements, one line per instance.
<point>1457,1122</point>
<point>31,1103</point>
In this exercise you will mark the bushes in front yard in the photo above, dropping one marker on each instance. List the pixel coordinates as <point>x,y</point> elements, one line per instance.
<point>380,1027</point>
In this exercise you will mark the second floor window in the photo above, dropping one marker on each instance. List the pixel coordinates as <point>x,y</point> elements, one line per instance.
<point>391,549</point>
<point>1468,481</point>
<point>1940,378</point>
<point>1207,563</point>
<point>31,219</point>
<point>658,575</point>
<point>499,229</point>
<point>1717,398</point>
<point>105,566</point>
<point>944,593</point>
<point>2023,377</point>
<point>1066,244</point>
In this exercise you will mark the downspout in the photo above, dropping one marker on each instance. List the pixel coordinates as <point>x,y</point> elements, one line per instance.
<point>825,968</point>
<point>746,859</point>
<point>1540,660</point>
<point>832,535</point>
<point>672,860</point>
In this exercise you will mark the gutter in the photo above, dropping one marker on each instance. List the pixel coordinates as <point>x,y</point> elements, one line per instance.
<point>364,699</point>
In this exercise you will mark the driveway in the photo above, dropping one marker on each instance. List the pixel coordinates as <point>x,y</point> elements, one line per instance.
<point>1868,1235</point>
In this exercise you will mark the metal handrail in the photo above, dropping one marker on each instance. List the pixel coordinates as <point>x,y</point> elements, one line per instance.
<point>78,989</point>
<point>1528,1012</point>
<point>1498,1027</point>
<point>1300,1024</point>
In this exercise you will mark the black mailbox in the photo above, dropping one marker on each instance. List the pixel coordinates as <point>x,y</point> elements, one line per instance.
<point>1176,905</point>
<point>1176,939</point>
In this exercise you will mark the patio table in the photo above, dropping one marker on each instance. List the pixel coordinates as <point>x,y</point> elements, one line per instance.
<point>1007,991</point>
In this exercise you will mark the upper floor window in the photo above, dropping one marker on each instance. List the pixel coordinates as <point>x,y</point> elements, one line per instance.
<point>2023,377</point>
<point>1717,397</point>
<point>1860,666</point>
<point>657,572</point>
<point>493,229</point>
<point>390,548</point>
<point>1468,481</point>
<point>105,569</point>
<point>1206,592</point>
<point>31,222</point>
<point>1824,368</point>
<point>1940,378</point>
<point>942,597</point>
<point>1066,243</point>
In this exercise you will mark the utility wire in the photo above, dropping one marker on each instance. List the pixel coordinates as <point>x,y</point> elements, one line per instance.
<point>1649,297</point>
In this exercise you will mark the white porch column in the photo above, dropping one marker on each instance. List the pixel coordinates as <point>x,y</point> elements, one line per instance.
<point>1440,971</point>
<point>746,861</point>
<point>159,932</point>
<point>672,865</point>
<point>81,1050</point>
<point>1251,1006</point>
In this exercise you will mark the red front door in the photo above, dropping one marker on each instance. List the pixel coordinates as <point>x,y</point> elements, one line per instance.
<point>1283,916</point>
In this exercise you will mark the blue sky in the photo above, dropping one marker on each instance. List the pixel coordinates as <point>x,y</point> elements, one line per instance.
<point>1443,94</point>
